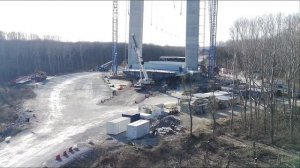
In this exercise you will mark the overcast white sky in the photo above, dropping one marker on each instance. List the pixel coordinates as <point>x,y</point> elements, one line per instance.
<point>92,20</point>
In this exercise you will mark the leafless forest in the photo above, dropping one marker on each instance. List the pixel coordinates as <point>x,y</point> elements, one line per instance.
<point>22,54</point>
<point>265,50</point>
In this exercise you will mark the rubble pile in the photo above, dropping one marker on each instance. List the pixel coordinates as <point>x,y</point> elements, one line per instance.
<point>168,121</point>
<point>165,131</point>
<point>167,125</point>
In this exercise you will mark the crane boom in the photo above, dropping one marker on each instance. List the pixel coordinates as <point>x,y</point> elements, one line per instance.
<point>140,59</point>
<point>144,79</point>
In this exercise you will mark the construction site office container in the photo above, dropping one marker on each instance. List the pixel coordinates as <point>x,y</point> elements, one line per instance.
<point>145,116</point>
<point>138,129</point>
<point>132,117</point>
<point>117,126</point>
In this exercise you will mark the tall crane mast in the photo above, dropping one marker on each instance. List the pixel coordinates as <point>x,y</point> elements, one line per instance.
<point>202,25</point>
<point>115,38</point>
<point>213,9</point>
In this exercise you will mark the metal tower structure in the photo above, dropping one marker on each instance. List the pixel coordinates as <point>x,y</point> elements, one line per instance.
<point>115,38</point>
<point>202,32</point>
<point>213,13</point>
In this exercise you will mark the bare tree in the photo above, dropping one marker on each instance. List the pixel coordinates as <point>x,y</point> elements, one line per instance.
<point>291,52</point>
<point>188,93</point>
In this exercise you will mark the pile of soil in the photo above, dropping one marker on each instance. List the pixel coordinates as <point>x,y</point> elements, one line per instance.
<point>167,121</point>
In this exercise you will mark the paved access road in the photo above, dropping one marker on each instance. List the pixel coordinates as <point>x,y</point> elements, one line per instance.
<point>67,114</point>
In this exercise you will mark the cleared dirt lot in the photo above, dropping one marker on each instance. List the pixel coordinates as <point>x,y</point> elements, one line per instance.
<point>66,114</point>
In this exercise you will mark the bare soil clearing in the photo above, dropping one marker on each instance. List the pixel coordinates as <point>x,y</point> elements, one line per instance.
<point>13,118</point>
<point>182,150</point>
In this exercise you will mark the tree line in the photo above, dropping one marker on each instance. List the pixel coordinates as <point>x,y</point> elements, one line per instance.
<point>265,50</point>
<point>22,54</point>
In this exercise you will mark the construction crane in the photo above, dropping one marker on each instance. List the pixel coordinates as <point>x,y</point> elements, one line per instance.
<point>144,78</point>
<point>213,9</point>
<point>114,66</point>
<point>202,25</point>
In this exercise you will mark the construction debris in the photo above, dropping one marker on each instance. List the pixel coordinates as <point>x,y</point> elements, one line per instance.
<point>167,121</point>
<point>167,125</point>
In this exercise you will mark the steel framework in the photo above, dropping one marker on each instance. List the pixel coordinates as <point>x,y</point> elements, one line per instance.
<point>202,25</point>
<point>115,38</point>
<point>213,9</point>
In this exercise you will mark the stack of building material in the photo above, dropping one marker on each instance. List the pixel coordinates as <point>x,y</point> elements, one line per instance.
<point>138,129</point>
<point>227,101</point>
<point>198,106</point>
<point>209,94</point>
<point>168,107</point>
<point>154,110</point>
<point>117,126</point>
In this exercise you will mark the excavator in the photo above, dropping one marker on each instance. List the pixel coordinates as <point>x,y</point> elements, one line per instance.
<point>144,78</point>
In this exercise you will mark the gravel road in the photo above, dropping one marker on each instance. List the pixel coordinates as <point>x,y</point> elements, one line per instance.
<point>67,114</point>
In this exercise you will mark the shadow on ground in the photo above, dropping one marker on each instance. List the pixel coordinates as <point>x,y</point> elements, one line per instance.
<point>147,140</point>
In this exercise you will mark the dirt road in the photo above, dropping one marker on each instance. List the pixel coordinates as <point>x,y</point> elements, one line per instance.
<point>67,114</point>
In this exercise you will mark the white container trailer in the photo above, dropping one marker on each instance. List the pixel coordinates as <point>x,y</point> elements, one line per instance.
<point>138,129</point>
<point>145,116</point>
<point>117,126</point>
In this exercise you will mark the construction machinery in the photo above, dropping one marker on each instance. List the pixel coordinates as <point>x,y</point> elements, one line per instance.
<point>104,67</point>
<point>144,78</point>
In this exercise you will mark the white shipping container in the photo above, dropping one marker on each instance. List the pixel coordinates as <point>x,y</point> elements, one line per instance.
<point>138,129</point>
<point>117,126</point>
<point>145,116</point>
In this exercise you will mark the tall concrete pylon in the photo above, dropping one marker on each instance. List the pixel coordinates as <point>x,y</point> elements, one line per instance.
<point>192,34</point>
<point>136,28</point>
